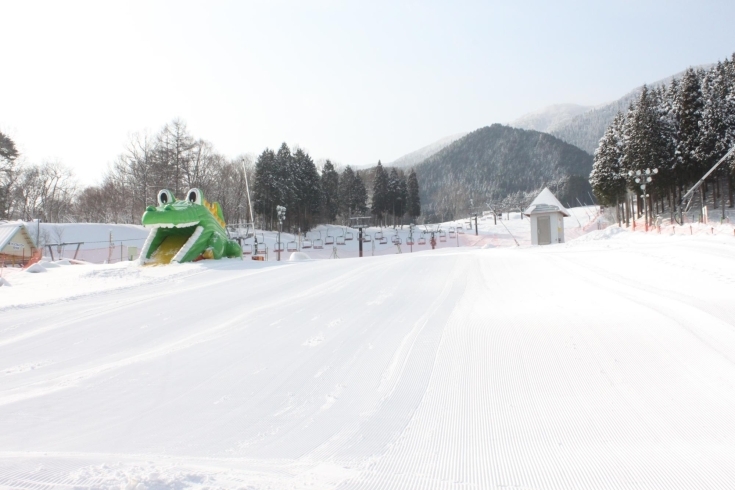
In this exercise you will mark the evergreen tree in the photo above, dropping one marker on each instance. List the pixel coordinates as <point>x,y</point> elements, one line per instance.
<point>380,202</point>
<point>716,129</point>
<point>687,112</point>
<point>607,178</point>
<point>266,188</point>
<point>330,192</point>
<point>413,200</point>
<point>346,188</point>
<point>359,196</point>
<point>646,145</point>
<point>286,171</point>
<point>307,189</point>
<point>393,196</point>
<point>402,203</point>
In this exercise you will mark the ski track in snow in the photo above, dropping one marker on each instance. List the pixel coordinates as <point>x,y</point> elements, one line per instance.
<point>605,364</point>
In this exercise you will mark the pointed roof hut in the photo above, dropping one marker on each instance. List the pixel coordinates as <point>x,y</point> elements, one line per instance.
<point>547,219</point>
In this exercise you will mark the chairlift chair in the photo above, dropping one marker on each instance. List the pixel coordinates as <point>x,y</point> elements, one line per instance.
<point>349,236</point>
<point>442,236</point>
<point>409,240</point>
<point>460,230</point>
<point>396,240</point>
<point>379,235</point>
<point>292,246</point>
<point>306,243</point>
<point>422,240</point>
<point>383,240</point>
<point>329,240</point>
<point>278,247</point>
<point>366,237</point>
<point>318,244</point>
<point>261,248</point>
<point>247,249</point>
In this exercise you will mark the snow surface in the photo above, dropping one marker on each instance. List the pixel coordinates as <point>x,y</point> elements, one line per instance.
<point>605,362</point>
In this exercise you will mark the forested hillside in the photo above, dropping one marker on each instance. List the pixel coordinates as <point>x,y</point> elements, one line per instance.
<point>550,118</point>
<point>585,130</point>
<point>673,135</point>
<point>505,165</point>
<point>418,156</point>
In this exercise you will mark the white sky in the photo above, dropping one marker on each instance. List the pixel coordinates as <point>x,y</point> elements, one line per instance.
<point>351,81</point>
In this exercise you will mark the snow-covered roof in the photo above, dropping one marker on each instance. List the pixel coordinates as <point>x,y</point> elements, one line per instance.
<point>8,230</point>
<point>546,202</point>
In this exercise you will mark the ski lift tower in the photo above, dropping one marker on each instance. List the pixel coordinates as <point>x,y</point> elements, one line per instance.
<point>360,222</point>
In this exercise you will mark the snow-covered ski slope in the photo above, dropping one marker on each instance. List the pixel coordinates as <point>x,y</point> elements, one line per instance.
<point>607,362</point>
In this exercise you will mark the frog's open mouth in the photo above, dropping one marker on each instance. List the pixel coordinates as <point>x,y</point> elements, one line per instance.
<point>169,242</point>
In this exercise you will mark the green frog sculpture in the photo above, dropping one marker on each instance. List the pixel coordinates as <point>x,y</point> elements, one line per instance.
<point>185,231</point>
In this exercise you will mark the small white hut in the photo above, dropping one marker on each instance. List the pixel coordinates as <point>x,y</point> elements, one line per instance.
<point>547,219</point>
<point>16,244</point>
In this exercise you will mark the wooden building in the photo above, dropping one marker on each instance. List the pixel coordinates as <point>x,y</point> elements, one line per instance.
<point>16,245</point>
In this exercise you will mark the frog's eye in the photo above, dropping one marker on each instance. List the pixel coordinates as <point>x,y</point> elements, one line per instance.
<point>165,196</point>
<point>194,195</point>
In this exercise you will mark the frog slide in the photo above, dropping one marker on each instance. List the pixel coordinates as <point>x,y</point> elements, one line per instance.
<point>185,231</point>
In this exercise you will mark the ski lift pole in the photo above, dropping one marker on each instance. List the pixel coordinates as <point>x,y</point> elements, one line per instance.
<point>506,228</point>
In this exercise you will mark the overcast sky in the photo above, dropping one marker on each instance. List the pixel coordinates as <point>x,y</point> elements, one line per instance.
<point>351,81</point>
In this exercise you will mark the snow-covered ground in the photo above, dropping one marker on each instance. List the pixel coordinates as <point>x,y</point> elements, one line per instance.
<point>605,362</point>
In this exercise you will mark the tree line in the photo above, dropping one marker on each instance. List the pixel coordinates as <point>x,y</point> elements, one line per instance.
<point>174,159</point>
<point>681,130</point>
<point>291,179</point>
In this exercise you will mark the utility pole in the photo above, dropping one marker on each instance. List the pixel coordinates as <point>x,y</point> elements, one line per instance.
<point>281,210</point>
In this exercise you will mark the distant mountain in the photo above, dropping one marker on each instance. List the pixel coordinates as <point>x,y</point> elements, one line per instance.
<point>422,154</point>
<point>550,118</point>
<point>505,165</point>
<point>585,129</point>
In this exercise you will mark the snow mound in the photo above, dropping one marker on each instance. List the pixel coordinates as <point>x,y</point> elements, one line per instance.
<point>35,268</point>
<point>488,246</point>
<point>63,262</point>
<point>49,265</point>
<point>605,234</point>
<point>4,282</point>
<point>298,257</point>
<point>140,477</point>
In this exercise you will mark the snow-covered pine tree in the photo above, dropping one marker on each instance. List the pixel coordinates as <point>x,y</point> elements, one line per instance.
<point>608,180</point>
<point>688,105</point>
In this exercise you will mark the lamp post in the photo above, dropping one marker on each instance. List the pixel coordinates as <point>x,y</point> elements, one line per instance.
<point>644,177</point>
<point>281,210</point>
